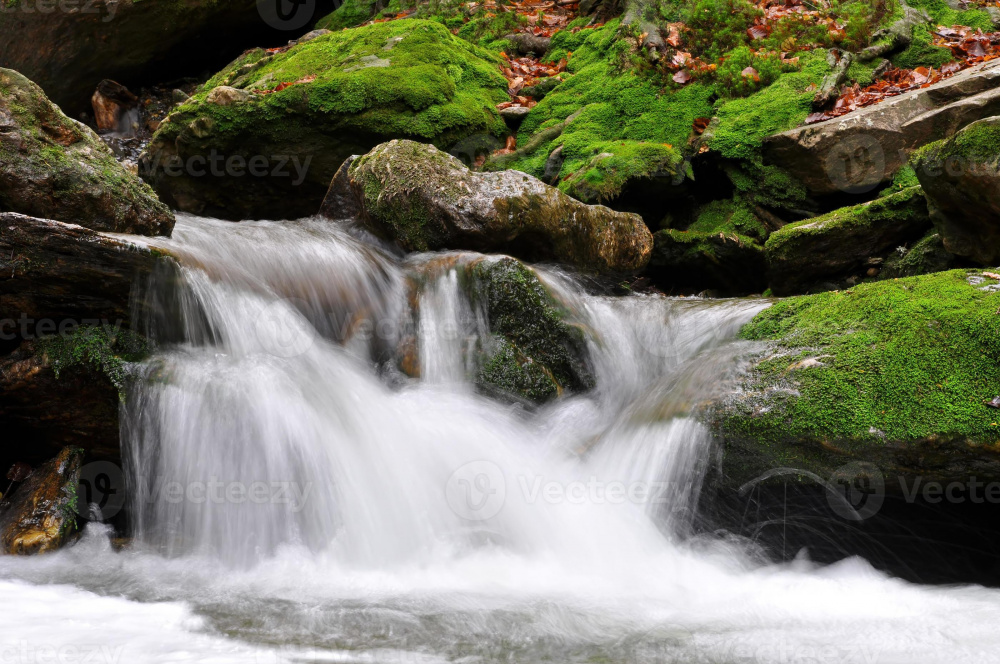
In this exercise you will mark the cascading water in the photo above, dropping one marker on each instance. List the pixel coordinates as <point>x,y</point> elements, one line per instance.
<point>297,497</point>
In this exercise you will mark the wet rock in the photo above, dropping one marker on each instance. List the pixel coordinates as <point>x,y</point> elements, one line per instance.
<point>922,257</point>
<point>526,43</point>
<point>424,199</point>
<point>692,261</point>
<point>264,136</point>
<point>961,177</point>
<point>56,168</point>
<point>837,245</point>
<point>514,115</point>
<point>112,103</point>
<point>40,514</point>
<point>69,52</point>
<point>50,270</point>
<point>861,150</point>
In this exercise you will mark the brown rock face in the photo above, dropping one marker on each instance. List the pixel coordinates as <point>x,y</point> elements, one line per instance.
<point>56,168</point>
<point>40,514</point>
<point>425,199</point>
<point>858,152</point>
<point>111,103</point>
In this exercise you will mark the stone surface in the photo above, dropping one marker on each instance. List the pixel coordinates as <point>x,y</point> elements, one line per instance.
<point>133,41</point>
<point>859,151</point>
<point>111,103</point>
<point>961,177</point>
<point>425,199</point>
<point>693,261</point>
<point>56,168</point>
<point>40,515</point>
<point>843,243</point>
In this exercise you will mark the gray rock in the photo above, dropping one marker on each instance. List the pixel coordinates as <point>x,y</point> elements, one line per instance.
<point>861,150</point>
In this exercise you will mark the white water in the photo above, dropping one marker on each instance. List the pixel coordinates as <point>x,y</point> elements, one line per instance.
<point>405,520</point>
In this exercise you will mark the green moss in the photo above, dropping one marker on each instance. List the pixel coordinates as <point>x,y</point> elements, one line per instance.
<point>926,256</point>
<point>902,360</point>
<point>942,14</point>
<point>730,217</point>
<point>907,204</point>
<point>512,373</point>
<point>904,178</point>
<point>717,26</point>
<point>350,14</point>
<point>97,348</point>
<point>922,52</point>
<point>522,311</point>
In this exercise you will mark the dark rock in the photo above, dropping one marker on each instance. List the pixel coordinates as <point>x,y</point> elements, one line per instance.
<point>842,243</point>
<point>527,43</point>
<point>692,261</point>
<point>40,515</point>
<point>514,115</point>
<point>553,165</point>
<point>859,151</point>
<point>425,199</point>
<point>961,177</point>
<point>112,103</point>
<point>56,168</point>
<point>69,52</point>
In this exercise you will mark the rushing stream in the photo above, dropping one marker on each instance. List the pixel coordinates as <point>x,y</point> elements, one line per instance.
<point>297,498</point>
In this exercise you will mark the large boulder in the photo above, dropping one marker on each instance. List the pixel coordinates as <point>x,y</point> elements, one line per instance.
<point>900,375</point>
<point>425,199</point>
<point>40,514</point>
<point>846,243</point>
<point>263,138</point>
<point>56,168</point>
<point>65,316</point>
<point>68,47</point>
<point>961,177</point>
<point>857,152</point>
<point>693,261</point>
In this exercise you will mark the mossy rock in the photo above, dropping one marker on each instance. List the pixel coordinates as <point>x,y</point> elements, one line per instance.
<point>56,168</point>
<point>40,514</point>
<point>537,353</point>
<point>843,243</point>
<point>426,200</point>
<point>694,261</point>
<point>927,255</point>
<point>896,373</point>
<point>300,113</point>
<point>961,176</point>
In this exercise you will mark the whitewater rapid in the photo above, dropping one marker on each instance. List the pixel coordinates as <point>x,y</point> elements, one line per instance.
<point>298,498</point>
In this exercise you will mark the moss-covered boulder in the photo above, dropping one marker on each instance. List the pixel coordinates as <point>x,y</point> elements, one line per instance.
<point>70,47</point>
<point>845,243</point>
<point>263,138</point>
<point>425,199</point>
<point>535,352</point>
<point>56,168</point>
<point>693,261</point>
<point>898,374</point>
<point>40,514</point>
<point>961,177</point>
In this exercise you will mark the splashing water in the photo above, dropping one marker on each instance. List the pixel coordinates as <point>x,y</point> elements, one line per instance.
<point>298,498</point>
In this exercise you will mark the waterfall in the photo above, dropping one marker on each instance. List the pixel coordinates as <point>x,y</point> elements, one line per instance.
<point>274,387</point>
